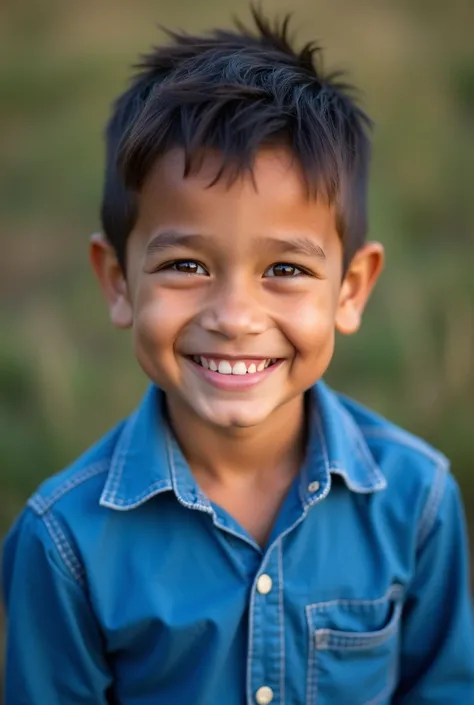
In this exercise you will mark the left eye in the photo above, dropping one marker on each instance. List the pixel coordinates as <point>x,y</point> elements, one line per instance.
<point>283,269</point>
<point>190,266</point>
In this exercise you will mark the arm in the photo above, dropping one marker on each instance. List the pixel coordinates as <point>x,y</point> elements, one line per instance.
<point>54,651</point>
<point>437,659</point>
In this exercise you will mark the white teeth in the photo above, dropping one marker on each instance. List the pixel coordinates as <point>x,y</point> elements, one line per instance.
<point>225,367</point>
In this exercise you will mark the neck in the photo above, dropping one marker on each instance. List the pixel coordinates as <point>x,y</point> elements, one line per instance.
<point>253,453</point>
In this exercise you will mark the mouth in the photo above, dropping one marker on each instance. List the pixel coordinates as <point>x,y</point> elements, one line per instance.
<point>238,367</point>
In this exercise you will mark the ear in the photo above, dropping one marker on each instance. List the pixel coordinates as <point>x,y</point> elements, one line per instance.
<point>112,280</point>
<point>361,275</point>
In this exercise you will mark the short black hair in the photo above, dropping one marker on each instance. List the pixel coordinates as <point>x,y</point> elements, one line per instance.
<point>237,91</point>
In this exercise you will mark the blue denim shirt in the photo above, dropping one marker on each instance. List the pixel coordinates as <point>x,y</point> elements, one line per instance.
<point>125,584</point>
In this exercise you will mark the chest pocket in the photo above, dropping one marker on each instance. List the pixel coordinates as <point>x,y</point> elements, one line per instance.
<point>353,650</point>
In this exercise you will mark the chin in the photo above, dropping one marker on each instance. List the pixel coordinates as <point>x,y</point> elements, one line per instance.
<point>228,418</point>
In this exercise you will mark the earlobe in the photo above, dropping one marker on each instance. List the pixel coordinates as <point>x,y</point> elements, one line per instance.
<point>360,278</point>
<point>348,318</point>
<point>121,313</point>
<point>112,280</point>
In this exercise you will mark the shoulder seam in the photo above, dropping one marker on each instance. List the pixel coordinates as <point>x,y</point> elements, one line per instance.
<point>64,548</point>
<point>41,504</point>
<point>430,510</point>
<point>398,435</point>
<point>442,468</point>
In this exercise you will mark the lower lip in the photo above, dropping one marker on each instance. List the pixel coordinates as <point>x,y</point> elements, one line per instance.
<point>234,382</point>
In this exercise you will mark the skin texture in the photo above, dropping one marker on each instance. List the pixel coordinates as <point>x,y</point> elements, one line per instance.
<point>225,299</point>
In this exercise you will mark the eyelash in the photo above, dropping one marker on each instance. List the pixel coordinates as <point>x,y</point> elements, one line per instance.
<point>173,266</point>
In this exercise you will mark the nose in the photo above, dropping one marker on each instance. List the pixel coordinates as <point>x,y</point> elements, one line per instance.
<point>234,311</point>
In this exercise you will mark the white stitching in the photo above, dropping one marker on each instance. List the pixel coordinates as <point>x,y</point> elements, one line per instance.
<point>433,502</point>
<point>250,649</point>
<point>358,641</point>
<point>361,448</point>
<point>380,484</point>
<point>394,590</point>
<point>322,441</point>
<point>282,625</point>
<point>190,505</point>
<point>117,462</point>
<point>250,644</point>
<point>127,503</point>
<point>206,508</point>
<point>36,502</point>
<point>398,435</point>
<point>64,548</point>
<point>387,632</point>
<point>311,662</point>
<point>376,479</point>
<point>43,504</point>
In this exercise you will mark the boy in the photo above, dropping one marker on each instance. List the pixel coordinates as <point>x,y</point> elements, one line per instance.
<point>247,535</point>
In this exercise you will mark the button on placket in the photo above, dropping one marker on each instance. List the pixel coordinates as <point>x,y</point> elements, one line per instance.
<point>266,633</point>
<point>264,695</point>
<point>264,584</point>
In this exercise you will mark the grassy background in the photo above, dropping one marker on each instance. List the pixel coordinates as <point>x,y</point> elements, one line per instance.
<point>66,375</point>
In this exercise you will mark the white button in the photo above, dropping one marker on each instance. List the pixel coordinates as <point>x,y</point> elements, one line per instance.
<point>313,486</point>
<point>264,695</point>
<point>264,584</point>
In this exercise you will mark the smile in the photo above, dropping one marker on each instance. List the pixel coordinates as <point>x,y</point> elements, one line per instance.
<point>233,367</point>
<point>233,374</point>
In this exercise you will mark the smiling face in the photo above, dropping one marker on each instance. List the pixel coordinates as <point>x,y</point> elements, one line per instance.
<point>234,292</point>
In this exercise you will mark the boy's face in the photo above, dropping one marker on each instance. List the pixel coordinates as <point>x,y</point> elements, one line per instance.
<point>246,277</point>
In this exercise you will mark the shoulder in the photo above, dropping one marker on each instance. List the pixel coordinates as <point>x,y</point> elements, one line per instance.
<point>417,474</point>
<point>54,515</point>
<point>72,511</point>
<point>375,427</point>
<point>387,440</point>
<point>82,480</point>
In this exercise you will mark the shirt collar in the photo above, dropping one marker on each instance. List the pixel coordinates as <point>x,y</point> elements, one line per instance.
<point>147,460</point>
<point>139,463</point>
<point>336,446</point>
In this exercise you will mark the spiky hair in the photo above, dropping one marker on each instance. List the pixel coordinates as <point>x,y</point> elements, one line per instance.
<point>236,91</point>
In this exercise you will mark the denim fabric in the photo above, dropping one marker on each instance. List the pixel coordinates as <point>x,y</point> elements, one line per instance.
<point>124,584</point>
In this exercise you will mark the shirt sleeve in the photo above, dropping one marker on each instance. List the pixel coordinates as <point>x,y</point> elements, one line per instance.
<point>437,660</point>
<point>54,648</point>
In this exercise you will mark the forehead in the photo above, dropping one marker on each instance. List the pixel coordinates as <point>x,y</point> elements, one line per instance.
<point>272,197</point>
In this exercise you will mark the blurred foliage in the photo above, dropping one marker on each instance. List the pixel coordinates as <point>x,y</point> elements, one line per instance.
<point>66,375</point>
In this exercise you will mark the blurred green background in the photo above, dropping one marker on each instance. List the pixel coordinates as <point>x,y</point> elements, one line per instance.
<point>66,376</point>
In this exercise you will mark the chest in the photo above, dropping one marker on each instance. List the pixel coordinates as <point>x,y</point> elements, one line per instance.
<point>195,622</point>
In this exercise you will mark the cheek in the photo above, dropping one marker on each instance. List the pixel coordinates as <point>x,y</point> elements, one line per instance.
<point>309,323</point>
<point>156,323</point>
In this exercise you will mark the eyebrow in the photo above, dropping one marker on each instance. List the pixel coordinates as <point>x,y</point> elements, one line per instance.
<point>173,238</point>
<point>297,246</point>
<point>294,245</point>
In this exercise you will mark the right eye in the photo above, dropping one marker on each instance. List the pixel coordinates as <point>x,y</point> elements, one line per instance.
<point>186,266</point>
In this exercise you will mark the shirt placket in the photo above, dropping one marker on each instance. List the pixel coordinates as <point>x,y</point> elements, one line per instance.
<point>266,640</point>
